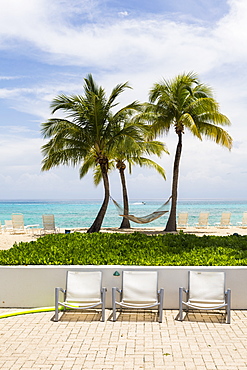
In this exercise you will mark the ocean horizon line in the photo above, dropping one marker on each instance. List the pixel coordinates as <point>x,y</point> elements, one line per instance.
<point>119,199</point>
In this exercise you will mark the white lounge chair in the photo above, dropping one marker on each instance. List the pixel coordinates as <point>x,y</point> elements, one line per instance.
<point>83,291</point>
<point>8,226</point>
<point>202,220</point>
<point>139,290</point>
<point>243,224</point>
<point>49,224</point>
<point>182,220</point>
<point>206,292</point>
<point>225,220</point>
<point>18,223</point>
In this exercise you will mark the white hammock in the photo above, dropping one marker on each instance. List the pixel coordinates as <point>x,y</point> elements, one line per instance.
<point>145,219</point>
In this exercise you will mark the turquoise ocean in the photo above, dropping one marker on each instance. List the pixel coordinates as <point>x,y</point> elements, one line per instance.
<point>81,213</point>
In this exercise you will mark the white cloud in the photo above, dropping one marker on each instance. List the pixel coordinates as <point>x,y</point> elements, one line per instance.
<point>98,44</point>
<point>116,49</point>
<point>124,13</point>
<point>9,78</point>
<point>231,32</point>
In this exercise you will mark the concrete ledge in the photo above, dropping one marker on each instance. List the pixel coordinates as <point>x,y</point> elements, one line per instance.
<point>33,286</point>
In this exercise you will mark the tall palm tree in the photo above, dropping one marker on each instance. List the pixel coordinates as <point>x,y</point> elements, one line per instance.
<point>185,103</point>
<point>87,135</point>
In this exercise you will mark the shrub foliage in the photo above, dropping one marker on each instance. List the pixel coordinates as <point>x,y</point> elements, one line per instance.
<point>129,249</point>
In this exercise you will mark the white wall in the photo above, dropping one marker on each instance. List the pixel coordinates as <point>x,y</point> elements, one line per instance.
<point>33,286</point>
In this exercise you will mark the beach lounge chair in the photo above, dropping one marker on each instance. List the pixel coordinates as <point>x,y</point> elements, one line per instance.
<point>139,291</point>
<point>225,220</point>
<point>182,220</point>
<point>206,292</point>
<point>202,220</point>
<point>49,224</point>
<point>83,291</point>
<point>8,226</point>
<point>18,223</point>
<point>243,223</point>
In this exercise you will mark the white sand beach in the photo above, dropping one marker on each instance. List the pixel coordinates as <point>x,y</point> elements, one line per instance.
<point>7,240</point>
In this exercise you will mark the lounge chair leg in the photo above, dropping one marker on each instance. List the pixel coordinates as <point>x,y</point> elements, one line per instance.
<point>228,307</point>
<point>103,304</point>
<point>181,304</point>
<point>114,316</point>
<point>56,303</point>
<point>161,303</point>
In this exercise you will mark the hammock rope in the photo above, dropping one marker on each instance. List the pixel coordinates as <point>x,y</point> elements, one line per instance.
<point>145,219</point>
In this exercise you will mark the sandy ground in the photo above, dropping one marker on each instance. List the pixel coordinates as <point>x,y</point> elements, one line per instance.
<point>7,240</point>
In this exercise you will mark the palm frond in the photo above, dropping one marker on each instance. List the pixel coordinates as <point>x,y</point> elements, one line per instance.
<point>217,134</point>
<point>88,163</point>
<point>146,162</point>
<point>186,120</point>
<point>116,91</point>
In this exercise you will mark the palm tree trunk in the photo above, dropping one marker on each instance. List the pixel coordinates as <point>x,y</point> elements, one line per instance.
<point>96,226</point>
<point>172,223</point>
<point>125,222</point>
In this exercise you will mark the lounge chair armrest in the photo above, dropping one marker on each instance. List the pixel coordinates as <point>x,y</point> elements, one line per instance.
<point>161,299</point>
<point>114,291</point>
<point>57,290</point>
<point>61,290</point>
<point>228,292</point>
<point>181,291</point>
<point>103,289</point>
<point>184,290</point>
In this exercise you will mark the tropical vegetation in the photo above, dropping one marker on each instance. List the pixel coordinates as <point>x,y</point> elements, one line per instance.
<point>133,249</point>
<point>95,135</point>
<point>88,134</point>
<point>184,103</point>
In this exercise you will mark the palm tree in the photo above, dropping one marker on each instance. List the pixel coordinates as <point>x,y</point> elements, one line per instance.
<point>185,103</point>
<point>88,134</point>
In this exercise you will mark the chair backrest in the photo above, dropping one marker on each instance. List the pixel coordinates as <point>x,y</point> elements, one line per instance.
<point>83,286</point>
<point>183,219</point>
<point>206,286</point>
<point>140,286</point>
<point>225,218</point>
<point>17,221</point>
<point>8,224</point>
<point>244,219</point>
<point>48,222</point>
<point>203,219</point>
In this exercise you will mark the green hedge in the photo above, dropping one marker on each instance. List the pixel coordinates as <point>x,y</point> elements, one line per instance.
<point>129,249</point>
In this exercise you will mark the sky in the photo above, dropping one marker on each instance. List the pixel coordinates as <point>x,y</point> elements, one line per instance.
<point>48,48</point>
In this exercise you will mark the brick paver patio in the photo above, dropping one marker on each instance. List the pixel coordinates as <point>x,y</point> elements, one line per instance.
<point>134,341</point>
